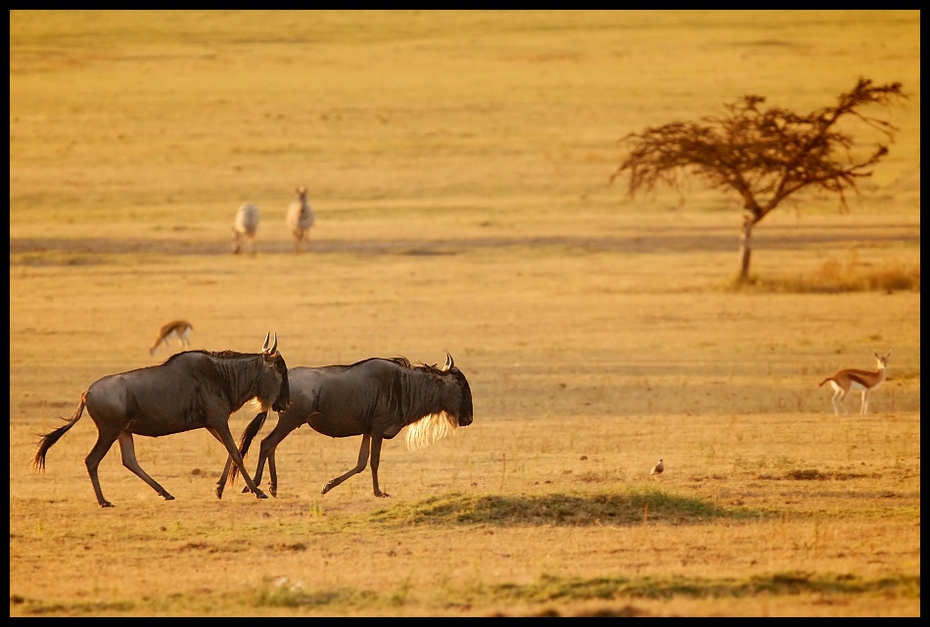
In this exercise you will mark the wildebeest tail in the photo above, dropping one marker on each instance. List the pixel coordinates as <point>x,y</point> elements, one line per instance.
<point>46,441</point>
<point>246,441</point>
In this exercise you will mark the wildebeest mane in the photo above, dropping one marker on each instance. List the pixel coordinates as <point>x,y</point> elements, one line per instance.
<point>229,379</point>
<point>425,422</point>
<point>402,362</point>
<point>227,354</point>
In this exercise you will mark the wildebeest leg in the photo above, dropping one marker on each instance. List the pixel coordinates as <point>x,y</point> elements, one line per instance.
<point>128,450</point>
<point>267,449</point>
<point>359,467</point>
<point>223,477</point>
<point>225,437</point>
<point>104,441</point>
<point>230,471</point>
<point>375,462</point>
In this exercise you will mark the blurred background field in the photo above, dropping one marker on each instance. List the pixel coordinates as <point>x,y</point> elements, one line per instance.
<point>457,164</point>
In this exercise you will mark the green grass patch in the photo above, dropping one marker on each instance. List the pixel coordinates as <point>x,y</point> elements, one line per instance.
<point>634,506</point>
<point>550,588</point>
<point>35,607</point>
<point>812,474</point>
<point>283,592</point>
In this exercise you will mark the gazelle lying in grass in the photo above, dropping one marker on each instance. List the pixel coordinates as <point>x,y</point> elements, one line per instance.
<point>175,330</point>
<point>851,380</point>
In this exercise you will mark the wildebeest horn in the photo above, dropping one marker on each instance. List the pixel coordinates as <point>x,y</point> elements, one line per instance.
<point>449,362</point>
<point>274,345</point>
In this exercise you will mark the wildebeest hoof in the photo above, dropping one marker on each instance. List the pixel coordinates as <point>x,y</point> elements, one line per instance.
<point>274,491</point>
<point>260,495</point>
<point>327,488</point>
<point>219,492</point>
<point>246,490</point>
<point>106,504</point>
<point>168,497</point>
<point>382,495</point>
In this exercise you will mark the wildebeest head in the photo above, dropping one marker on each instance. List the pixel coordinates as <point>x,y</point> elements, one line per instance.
<point>457,398</point>
<point>274,388</point>
<point>452,408</point>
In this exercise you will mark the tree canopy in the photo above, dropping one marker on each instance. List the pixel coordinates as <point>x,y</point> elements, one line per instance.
<point>763,154</point>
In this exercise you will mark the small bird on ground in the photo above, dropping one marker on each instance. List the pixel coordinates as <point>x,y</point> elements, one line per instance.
<point>657,470</point>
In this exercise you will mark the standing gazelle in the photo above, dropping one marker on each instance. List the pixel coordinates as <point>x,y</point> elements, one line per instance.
<point>851,380</point>
<point>175,330</point>
<point>299,218</point>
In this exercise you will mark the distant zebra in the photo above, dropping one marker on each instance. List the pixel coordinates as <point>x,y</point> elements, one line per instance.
<point>244,228</point>
<point>299,219</point>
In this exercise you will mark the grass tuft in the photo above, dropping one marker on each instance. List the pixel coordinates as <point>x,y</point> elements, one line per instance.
<point>626,508</point>
<point>812,474</point>
<point>550,588</point>
<point>835,277</point>
<point>283,592</point>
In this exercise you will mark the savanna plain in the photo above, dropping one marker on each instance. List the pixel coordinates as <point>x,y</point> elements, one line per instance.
<point>458,165</point>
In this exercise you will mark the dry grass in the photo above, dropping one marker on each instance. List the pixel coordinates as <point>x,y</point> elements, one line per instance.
<point>835,276</point>
<point>457,165</point>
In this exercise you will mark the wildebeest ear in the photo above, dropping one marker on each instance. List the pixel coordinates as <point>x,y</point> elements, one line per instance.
<point>449,363</point>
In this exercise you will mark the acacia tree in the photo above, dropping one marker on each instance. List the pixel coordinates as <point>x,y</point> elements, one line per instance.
<point>764,155</point>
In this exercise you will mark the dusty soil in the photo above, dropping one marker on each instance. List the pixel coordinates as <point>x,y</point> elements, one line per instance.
<point>644,239</point>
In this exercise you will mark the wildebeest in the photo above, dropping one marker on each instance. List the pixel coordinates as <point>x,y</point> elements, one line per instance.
<point>189,390</point>
<point>299,218</point>
<point>176,329</point>
<point>374,398</point>
<point>244,228</point>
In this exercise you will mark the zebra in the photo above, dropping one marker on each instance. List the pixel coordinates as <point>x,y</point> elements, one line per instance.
<point>244,228</point>
<point>299,219</point>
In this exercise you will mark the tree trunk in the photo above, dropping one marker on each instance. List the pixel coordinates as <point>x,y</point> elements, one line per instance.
<point>745,247</point>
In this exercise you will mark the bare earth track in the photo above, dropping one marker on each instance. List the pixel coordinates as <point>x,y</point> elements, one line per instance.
<point>646,240</point>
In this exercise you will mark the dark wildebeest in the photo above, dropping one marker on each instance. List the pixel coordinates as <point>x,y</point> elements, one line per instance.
<point>189,390</point>
<point>375,399</point>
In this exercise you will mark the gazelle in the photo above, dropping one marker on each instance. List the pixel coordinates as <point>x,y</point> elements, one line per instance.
<point>175,330</point>
<point>851,380</point>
